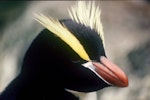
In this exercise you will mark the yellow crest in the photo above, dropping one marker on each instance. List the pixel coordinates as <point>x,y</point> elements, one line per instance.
<point>63,33</point>
<point>84,13</point>
<point>88,14</point>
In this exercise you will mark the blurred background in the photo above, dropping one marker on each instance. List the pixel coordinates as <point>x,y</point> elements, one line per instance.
<point>127,39</point>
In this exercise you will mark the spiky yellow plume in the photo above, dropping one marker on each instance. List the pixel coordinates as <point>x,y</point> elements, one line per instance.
<point>61,31</point>
<point>84,13</point>
<point>88,14</point>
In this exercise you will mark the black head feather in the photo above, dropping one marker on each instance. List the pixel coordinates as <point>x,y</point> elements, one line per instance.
<point>89,38</point>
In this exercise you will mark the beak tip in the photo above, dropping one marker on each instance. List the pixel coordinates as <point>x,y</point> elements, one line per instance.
<point>125,82</point>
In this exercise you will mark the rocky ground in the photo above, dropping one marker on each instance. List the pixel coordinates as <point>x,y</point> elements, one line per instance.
<point>127,37</point>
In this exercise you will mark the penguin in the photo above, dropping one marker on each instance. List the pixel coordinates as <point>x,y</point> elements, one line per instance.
<point>68,54</point>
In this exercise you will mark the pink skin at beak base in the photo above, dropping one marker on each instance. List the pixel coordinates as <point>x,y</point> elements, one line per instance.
<point>111,72</point>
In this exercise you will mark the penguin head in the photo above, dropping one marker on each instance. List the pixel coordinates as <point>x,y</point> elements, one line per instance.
<point>97,61</point>
<point>83,33</point>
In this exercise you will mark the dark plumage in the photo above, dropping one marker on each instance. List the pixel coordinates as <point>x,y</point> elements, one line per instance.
<point>88,38</point>
<point>51,65</point>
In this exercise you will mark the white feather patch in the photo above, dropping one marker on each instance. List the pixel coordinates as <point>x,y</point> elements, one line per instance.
<point>92,68</point>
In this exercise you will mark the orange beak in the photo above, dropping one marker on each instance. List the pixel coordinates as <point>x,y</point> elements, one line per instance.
<point>111,72</point>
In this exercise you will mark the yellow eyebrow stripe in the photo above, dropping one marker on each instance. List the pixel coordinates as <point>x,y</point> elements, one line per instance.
<point>62,32</point>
